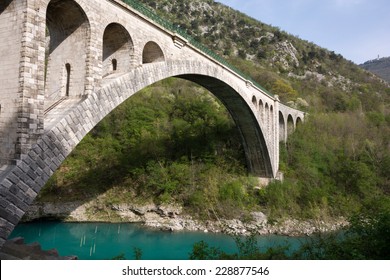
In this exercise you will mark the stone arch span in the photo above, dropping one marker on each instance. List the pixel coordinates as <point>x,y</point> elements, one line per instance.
<point>20,185</point>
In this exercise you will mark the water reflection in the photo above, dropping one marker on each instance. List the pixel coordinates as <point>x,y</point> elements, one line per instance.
<point>101,241</point>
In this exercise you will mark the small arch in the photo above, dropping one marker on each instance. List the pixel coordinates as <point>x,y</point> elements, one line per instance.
<point>282,128</point>
<point>152,53</point>
<point>254,101</point>
<point>266,119</point>
<point>290,125</point>
<point>298,122</point>
<point>271,121</point>
<point>67,39</point>
<point>118,49</point>
<point>261,110</point>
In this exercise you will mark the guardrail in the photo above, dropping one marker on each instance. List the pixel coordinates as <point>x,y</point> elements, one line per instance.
<point>175,29</point>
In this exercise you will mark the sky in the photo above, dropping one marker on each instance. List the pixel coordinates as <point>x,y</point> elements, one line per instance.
<point>359,30</point>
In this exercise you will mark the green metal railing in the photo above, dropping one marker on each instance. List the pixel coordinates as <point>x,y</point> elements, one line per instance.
<point>150,14</point>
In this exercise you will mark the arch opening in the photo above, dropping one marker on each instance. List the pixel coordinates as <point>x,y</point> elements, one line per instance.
<point>261,110</point>
<point>298,122</point>
<point>152,53</point>
<point>252,137</point>
<point>67,39</point>
<point>254,101</point>
<point>266,118</point>
<point>118,49</point>
<point>290,125</point>
<point>282,128</point>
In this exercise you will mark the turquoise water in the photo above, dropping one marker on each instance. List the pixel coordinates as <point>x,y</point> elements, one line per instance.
<point>103,241</point>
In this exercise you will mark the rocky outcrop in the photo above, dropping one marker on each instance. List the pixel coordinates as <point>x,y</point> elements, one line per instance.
<point>16,249</point>
<point>172,218</point>
<point>286,55</point>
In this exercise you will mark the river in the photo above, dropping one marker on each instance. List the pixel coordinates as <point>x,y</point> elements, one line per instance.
<point>104,241</point>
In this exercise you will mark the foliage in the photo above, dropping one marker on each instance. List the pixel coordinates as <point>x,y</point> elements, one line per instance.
<point>368,237</point>
<point>333,168</point>
<point>137,254</point>
<point>284,90</point>
<point>119,257</point>
<point>247,249</point>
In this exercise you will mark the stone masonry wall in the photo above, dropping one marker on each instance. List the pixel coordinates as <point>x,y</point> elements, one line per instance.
<point>11,19</point>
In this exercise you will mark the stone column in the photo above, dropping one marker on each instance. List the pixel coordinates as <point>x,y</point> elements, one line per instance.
<point>31,79</point>
<point>276,135</point>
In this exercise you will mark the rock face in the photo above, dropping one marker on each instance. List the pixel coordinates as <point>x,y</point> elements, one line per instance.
<point>16,249</point>
<point>172,218</point>
<point>286,55</point>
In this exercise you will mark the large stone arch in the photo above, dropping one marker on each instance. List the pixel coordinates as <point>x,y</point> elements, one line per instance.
<point>20,185</point>
<point>67,44</point>
<point>118,49</point>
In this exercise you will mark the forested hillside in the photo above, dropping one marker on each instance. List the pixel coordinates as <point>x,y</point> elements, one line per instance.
<point>173,142</point>
<point>380,67</point>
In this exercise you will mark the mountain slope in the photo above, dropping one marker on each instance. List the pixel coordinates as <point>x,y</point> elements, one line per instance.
<point>380,67</point>
<point>283,64</point>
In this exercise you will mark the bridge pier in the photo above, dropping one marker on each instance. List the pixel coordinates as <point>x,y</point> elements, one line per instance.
<point>22,67</point>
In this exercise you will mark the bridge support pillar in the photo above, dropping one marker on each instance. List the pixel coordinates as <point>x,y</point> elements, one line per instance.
<point>275,137</point>
<point>22,64</point>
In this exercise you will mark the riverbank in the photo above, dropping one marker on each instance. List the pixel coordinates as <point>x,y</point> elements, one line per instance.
<point>173,218</point>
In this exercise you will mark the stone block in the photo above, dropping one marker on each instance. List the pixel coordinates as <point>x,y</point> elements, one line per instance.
<point>11,218</point>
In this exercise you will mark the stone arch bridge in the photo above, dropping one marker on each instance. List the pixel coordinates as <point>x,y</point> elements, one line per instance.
<point>65,64</point>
